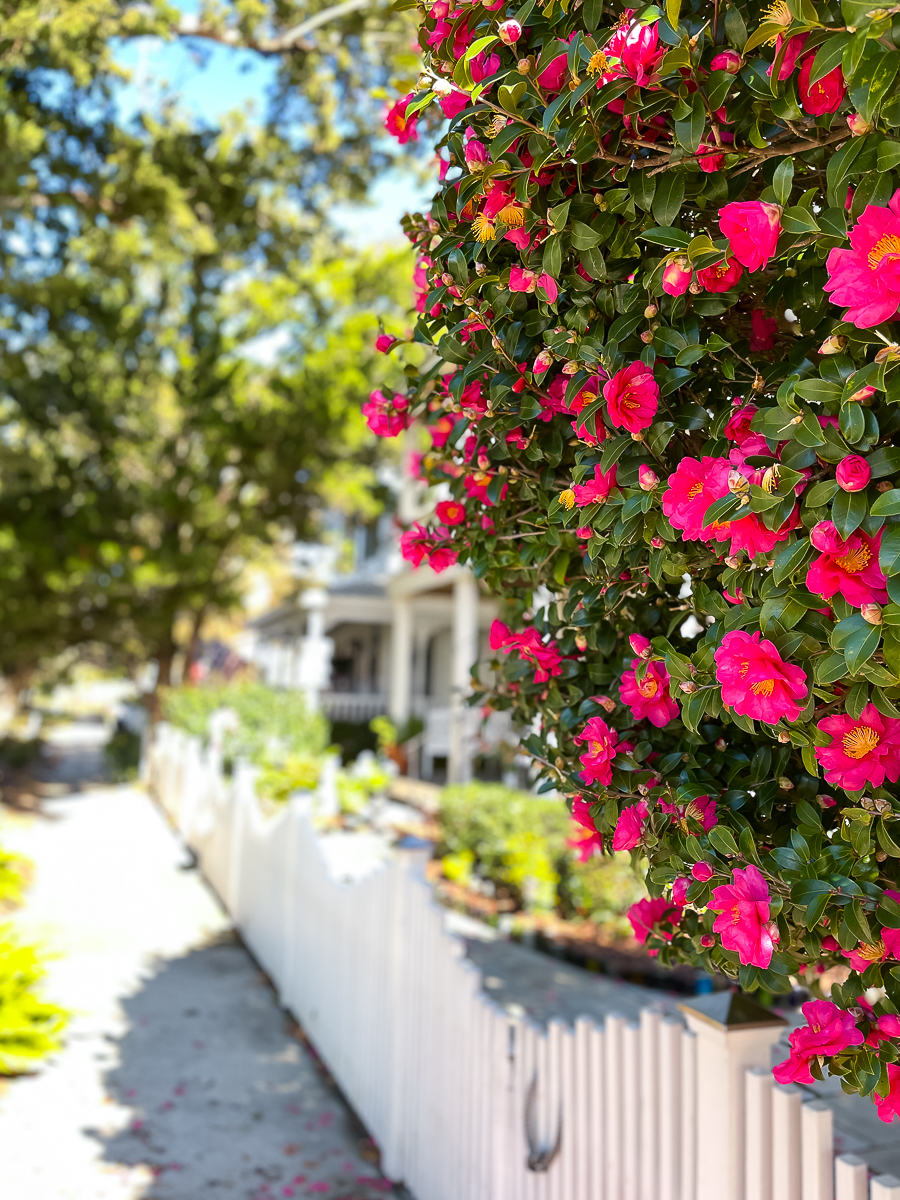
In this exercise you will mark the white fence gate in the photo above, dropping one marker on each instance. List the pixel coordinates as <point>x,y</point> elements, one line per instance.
<point>465,1101</point>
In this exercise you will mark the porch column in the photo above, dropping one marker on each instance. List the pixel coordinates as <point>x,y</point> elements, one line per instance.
<point>465,655</point>
<point>312,671</point>
<point>400,690</point>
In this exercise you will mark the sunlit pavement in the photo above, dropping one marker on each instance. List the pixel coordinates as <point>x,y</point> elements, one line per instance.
<point>181,1076</point>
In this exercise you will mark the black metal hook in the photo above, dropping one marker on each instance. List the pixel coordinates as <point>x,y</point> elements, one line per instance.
<point>539,1159</point>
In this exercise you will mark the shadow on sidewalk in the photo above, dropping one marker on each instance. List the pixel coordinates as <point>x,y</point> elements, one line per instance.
<point>226,1100</point>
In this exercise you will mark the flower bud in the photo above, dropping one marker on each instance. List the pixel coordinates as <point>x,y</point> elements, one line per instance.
<point>650,311</point>
<point>884,486</point>
<point>853,473</point>
<point>863,394</point>
<point>721,744</point>
<point>707,940</point>
<point>825,801</point>
<point>647,337</point>
<point>784,737</point>
<point>571,368</point>
<point>640,645</point>
<point>834,344</point>
<point>687,686</point>
<point>826,538</point>
<point>676,277</point>
<point>702,872</point>
<point>384,342</point>
<point>510,32</point>
<point>727,60</point>
<point>738,484</point>
<point>784,783</point>
<point>542,362</point>
<point>679,891</point>
<point>858,126</point>
<point>871,613</point>
<point>657,543</point>
<point>732,561</point>
<point>525,65</point>
<point>647,478</point>
<point>581,641</point>
<point>423,84</point>
<point>441,87</point>
<point>605,702</point>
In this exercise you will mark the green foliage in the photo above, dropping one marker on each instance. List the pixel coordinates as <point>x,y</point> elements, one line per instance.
<point>123,755</point>
<point>296,773</point>
<point>273,724</point>
<point>591,224</point>
<point>518,840</point>
<point>29,1027</point>
<point>145,454</point>
<point>14,871</point>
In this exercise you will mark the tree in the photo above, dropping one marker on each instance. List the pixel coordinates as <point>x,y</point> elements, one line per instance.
<point>661,280</point>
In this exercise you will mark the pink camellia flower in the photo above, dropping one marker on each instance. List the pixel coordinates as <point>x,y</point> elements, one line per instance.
<point>677,277</point>
<point>702,872</point>
<point>792,53</point>
<point>889,1106</point>
<point>748,533</point>
<point>756,682</point>
<point>851,568</point>
<point>545,658</point>
<point>386,418</point>
<point>866,750</point>
<point>826,95</point>
<point>866,278</point>
<point>632,397</point>
<point>509,32</point>
<point>853,473</point>
<point>384,342</point>
<point>726,60</point>
<point>720,277</point>
<point>396,123</point>
<point>762,331</point>
<point>596,489</point>
<point>641,52</point>
<point>601,750</point>
<point>646,915</point>
<point>692,489</point>
<point>418,545</point>
<point>587,841</point>
<point>738,427</point>
<point>650,696</point>
<point>542,362</point>
<point>453,104</point>
<point>630,826</point>
<point>549,287</point>
<point>450,512</point>
<point>828,1031</point>
<point>701,809</point>
<point>752,228</point>
<point>744,921</point>
<point>476,154</point>
<point>826,538</point>
<point>522,280</point>
<point>858,125</point>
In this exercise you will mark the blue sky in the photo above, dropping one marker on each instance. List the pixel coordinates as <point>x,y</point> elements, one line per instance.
<point>220,79</point>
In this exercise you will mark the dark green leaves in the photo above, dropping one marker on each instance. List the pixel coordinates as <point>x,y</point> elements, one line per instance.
<point>669,198</point>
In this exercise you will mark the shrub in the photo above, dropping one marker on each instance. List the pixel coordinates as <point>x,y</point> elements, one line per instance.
<point>660,275</point>
<point>272,723</point>
<point>29,1027</point>
<point>520,841</point>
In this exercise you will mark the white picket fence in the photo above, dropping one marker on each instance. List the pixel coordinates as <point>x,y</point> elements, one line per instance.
<point>465,1101</point>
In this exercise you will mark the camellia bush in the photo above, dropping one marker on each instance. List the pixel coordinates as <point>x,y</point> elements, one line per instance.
<point>660,276</point>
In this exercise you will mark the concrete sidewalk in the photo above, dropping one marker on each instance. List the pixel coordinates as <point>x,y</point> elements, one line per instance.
<point>181,1077</point>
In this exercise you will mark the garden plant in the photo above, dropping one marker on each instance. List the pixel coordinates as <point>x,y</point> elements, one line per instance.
<point>660,275</point>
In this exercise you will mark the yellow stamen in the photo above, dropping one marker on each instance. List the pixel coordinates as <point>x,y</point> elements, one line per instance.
<point>765,687</point>
<point>778,14</point>
<point>512,216</point>
<point>770,480</point>
<point>648,687</point>
<point>483,228</point>
<point>857,560</point>
<point>598,63</point>
<point>597,747</point>
<point>695,491</point>
<point>497,126</point>
<point>860,741</point>
<point>567,498</point>
<point>871,953</point>
<point>886,247</point>
<point>400,122</point>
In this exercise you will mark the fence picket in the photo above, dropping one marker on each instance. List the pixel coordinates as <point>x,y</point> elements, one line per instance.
<point>885,1187</point>
<point>758,1117</point>
<point>817,1154</point>
<point>851,1178</point>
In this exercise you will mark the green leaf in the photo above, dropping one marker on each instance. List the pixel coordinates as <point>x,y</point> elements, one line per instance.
<point>782,182</point>
<point>791,559</point>
<point>675,239</point>
<point>874,75</point>
<point>820,493</point>
<point>819,390</point>
<point>889,556</point>
<point>669,198</point>
<point>798,220</point>
<point>829,55</point>
<point>848,511</point>
<point>885,841</point>
<point>884,461</point>
<point>722,839</point>
<point>852,422</point>
<point>689,132</point>
<point>887,504</point>
<point>673,11</point>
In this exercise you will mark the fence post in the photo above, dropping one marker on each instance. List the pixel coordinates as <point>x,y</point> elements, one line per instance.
<point>817,1151</point>
<point>851,1178</point>
<point>786,1104</point>
<point>733,1032</point>
<point>886,1187</point>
